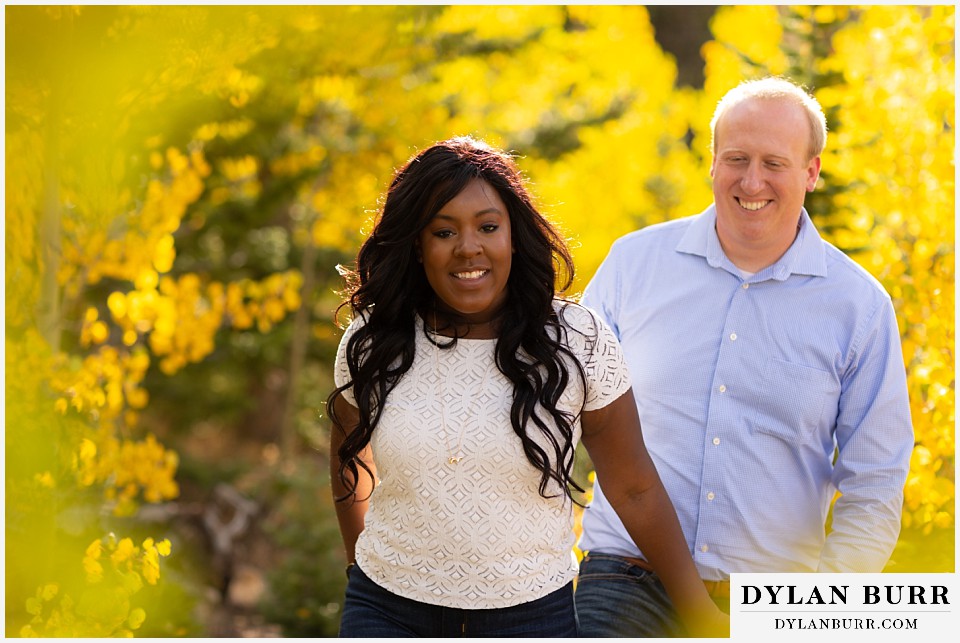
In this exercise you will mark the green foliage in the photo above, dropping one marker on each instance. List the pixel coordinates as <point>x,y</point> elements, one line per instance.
<point>306,587</point>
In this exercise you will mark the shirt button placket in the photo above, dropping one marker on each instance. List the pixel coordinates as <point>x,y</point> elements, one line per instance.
<point>712,470</point>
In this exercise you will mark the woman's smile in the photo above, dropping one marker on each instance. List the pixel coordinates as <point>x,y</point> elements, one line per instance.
<point>467,252</point>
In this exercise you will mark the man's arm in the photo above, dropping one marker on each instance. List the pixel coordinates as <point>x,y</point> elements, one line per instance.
<point>614,441</point>
<point>875,440</point>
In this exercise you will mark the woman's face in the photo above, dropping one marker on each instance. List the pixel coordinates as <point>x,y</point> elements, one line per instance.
<point>467,251</point>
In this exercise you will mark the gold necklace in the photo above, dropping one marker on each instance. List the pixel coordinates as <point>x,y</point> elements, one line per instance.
<point>453,457</point>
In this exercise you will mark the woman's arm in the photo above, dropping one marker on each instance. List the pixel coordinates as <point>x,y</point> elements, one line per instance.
<point>350,512</point>
<point>613,438</point>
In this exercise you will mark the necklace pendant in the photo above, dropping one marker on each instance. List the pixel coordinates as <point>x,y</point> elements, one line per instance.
<point>455,459</point>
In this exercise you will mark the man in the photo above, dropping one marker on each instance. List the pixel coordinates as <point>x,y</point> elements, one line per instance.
<point>768,375</point>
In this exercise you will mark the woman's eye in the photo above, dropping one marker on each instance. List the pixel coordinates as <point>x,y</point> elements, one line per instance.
<point>443,234</point>
<point>489,227</point>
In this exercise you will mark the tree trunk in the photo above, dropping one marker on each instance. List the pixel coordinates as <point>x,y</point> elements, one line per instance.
<point>48,302</point>
<point>289,441</point>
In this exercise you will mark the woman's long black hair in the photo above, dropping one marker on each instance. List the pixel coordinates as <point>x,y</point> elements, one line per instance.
<point>389,288</point>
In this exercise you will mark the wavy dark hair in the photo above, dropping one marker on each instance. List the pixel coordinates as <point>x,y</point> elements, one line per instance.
<point>389,288</point>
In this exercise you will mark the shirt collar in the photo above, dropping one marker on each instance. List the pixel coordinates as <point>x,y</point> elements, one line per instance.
<point>806,255</point>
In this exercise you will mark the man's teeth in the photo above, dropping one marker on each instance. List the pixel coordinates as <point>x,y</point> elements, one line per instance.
<point>752,205</point>
<point>473,274</point>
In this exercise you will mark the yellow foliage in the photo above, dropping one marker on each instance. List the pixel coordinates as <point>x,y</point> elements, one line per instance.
<point>898,72</point>
<point>103,607</point>
<point>583,93</point>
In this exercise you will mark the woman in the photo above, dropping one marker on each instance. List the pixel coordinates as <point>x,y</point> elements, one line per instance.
<point>464,385</point>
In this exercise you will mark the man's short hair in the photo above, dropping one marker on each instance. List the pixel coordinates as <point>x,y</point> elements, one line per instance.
<point>775,88</point>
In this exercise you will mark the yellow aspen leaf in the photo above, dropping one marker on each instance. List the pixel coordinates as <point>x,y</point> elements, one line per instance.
<point>34,606</point>
<point>178,162</point>
<point>136,618</point>
<point>207,131</point>
<point>93,569</point>
<point>117,303</point>
<point>88,451</point>
<point>45,480</point>
<point>125,550</point>
<point>49,591</point>
<point>164,254</point>
<point>132,582</point>
<point>138,398</point>
<point>99,332</point>
<point>146,280</point>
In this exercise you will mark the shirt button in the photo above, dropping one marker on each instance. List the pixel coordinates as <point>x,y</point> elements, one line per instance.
<point>716,441</point>
<point>711,496</point>
<point>723,388</point>
<point>733,337</point>
<point>704,548</point>
<point>745,286</point>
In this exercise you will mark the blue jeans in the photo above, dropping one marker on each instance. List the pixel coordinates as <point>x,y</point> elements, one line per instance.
<point>373,612</point>
<point>617,598</point>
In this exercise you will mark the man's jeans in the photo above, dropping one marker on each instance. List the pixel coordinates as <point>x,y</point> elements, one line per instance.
<point>617,598</point>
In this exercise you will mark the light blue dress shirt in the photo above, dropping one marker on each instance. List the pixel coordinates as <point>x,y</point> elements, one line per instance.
<point>760,398</point>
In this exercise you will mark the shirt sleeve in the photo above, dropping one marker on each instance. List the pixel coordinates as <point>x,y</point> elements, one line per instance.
<point>602,294</point>
<point>875,440</point>
<point>607,377</point>
<point>341,370</point>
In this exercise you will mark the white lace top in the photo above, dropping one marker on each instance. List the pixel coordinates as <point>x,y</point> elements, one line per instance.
<point>476,534</point>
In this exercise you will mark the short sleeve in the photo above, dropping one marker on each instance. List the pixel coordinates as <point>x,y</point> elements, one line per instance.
<point>341,370</point>
<point>605,368</point>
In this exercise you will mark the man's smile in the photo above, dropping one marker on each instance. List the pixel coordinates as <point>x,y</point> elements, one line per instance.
<point>752,205</point>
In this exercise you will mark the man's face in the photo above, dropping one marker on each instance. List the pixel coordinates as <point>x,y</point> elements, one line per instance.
<point>761,174</point>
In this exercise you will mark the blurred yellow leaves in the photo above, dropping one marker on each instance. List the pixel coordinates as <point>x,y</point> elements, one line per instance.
<point>138,245</point>
<point>896,143</point>
<point>119,172</point>
<point>113,571</point>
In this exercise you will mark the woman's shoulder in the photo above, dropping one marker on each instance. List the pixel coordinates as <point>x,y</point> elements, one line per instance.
<point>576,317</point>
<point>357,321</point>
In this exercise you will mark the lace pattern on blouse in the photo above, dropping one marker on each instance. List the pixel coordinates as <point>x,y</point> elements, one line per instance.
<point>476,534</point>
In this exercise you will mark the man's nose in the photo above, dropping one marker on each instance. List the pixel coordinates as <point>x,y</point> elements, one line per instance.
<point>752,179</point>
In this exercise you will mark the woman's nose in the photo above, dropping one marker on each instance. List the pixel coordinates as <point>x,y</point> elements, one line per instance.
<point>468,246</point>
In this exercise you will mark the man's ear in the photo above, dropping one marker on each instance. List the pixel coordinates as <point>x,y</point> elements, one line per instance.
<point>813,173</point>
